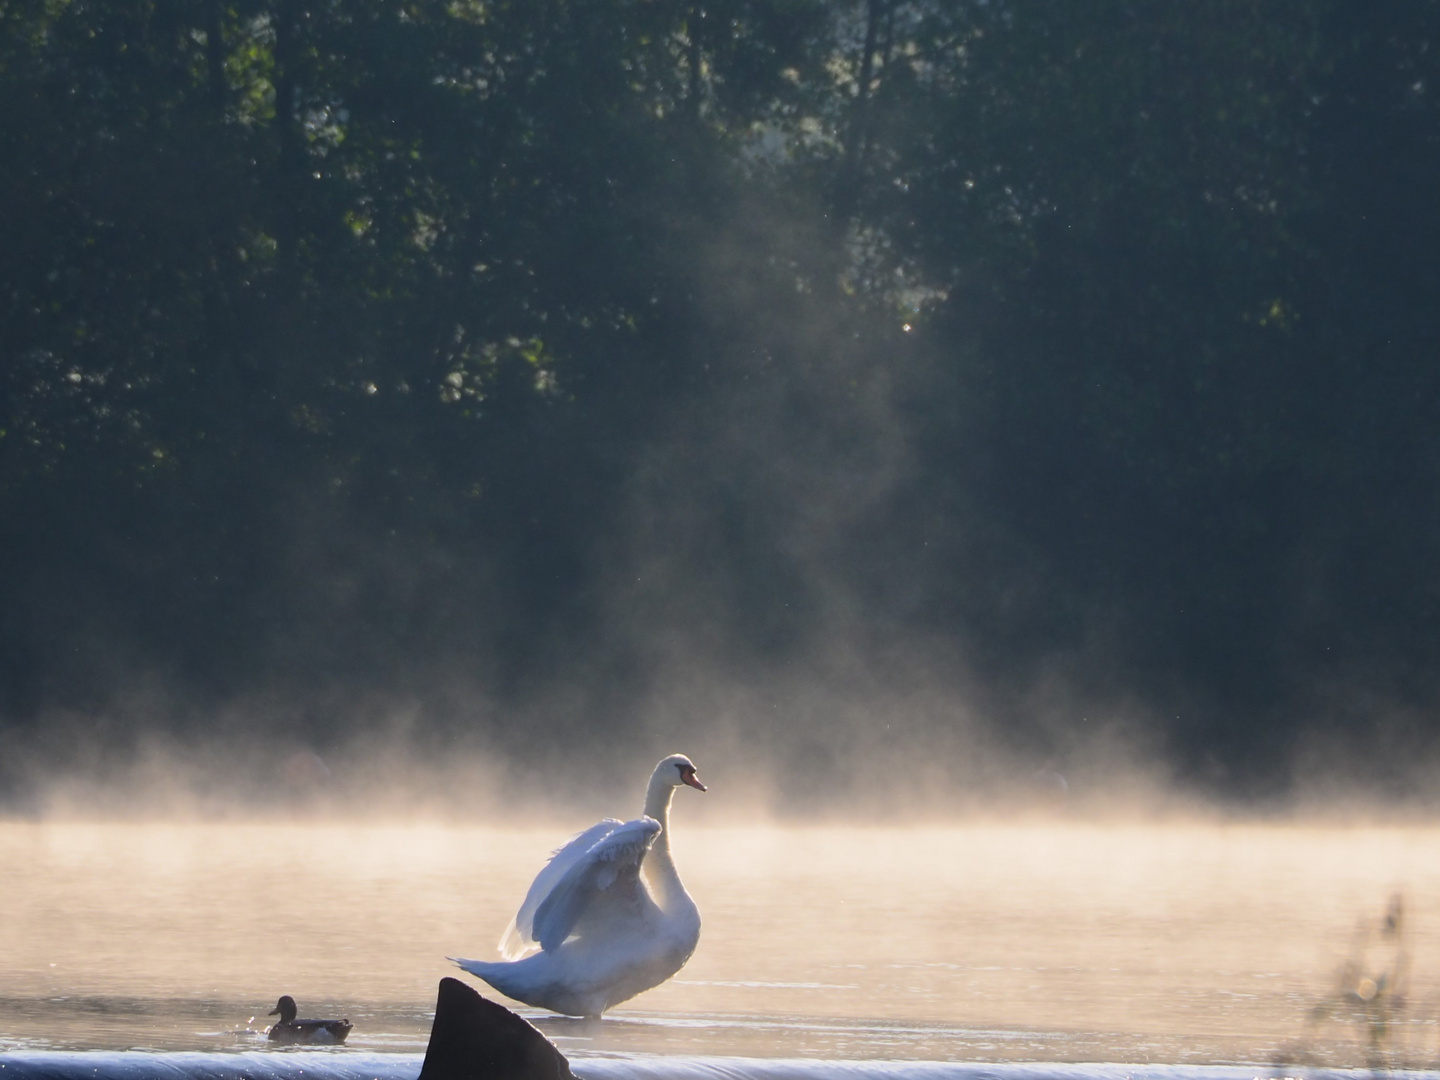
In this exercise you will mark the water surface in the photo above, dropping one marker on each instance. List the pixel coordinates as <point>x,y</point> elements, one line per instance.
<point>985,943</point>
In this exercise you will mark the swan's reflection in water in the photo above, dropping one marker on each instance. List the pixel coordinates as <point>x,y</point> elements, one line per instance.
<point>1028,942</point>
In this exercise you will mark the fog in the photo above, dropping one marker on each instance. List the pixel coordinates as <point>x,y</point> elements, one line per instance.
<point>798,581</point>
<point>1013,941</point>
<point>887,775</point>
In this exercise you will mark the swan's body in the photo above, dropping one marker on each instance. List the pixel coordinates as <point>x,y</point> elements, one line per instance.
<point>608,913</point>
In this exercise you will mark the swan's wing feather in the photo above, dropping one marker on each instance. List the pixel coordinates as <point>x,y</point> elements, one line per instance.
<point>520,934</point>
<point>614,857</point>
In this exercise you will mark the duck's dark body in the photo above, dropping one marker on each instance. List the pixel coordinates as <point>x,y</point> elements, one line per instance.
<point>312,1032</point>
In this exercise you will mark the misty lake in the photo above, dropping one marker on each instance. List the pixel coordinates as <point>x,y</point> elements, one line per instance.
<point>1023,942</point>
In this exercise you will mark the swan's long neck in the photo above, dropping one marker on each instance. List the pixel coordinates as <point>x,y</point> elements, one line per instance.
<point>659,864</point>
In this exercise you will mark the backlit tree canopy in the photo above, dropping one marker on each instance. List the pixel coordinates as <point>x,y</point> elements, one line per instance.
<point>440,349</point>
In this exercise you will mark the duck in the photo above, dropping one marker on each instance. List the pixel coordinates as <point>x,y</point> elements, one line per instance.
<point>607,918</point>
<point>313,1032</point>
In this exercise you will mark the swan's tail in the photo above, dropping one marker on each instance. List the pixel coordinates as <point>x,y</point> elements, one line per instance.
<point>509,977</point>
<point>478,968</point>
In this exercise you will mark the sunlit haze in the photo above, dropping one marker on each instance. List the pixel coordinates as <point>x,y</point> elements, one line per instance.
<point>997,441</point>
<point>986,942</point>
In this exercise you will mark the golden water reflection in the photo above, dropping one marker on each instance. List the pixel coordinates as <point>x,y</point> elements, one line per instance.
<point>1031,942</point>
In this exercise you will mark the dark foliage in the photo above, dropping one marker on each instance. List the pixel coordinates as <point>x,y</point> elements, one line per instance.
<point>457,352</point>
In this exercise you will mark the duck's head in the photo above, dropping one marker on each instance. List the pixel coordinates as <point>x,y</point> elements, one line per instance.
<point>285,1009</point>
<point>678,769</point>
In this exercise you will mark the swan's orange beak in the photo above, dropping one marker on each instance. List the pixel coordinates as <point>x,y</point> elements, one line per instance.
<point>688,775</point>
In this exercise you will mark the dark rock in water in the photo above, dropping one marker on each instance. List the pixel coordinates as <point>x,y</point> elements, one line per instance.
<point>475,1039</point>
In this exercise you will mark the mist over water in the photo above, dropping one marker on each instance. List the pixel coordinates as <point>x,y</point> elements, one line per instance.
<point>414,423</point>
<point>1039,942</point>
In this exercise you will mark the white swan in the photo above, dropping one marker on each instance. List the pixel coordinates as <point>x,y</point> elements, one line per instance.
<point>608,912</point>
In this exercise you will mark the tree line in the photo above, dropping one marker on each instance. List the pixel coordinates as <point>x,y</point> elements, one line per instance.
<point>433,348</point>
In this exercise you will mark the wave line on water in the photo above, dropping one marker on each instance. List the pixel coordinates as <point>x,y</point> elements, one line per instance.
<point>754,984</point>
<point>342,1065</point>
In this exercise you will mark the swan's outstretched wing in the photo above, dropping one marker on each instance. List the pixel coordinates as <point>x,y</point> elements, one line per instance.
<point>519,936</point>
<point>608,871</point>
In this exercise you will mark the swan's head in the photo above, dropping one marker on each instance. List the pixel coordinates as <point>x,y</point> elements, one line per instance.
<point>285,1009</point>
<point>678,769</point>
